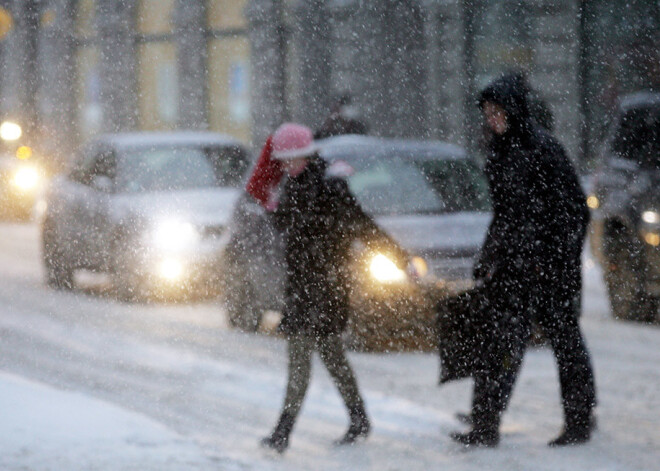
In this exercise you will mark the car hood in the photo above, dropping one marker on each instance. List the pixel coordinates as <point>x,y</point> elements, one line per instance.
<point>452,235</point>
<point>202,207</point>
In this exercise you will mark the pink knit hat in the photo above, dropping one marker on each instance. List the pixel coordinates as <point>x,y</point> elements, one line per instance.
<point>291,141</point>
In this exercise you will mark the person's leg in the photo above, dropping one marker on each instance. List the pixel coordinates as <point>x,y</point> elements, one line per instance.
<point>334,358</point>
<point>492,391</point>
<point>494,380</point>
<point>576,377</point>
<point>300,348</point>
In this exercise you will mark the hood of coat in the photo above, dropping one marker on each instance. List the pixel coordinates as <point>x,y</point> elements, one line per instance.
<point>511,92</point>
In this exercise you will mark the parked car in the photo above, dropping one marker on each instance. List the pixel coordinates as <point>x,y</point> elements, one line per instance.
<point>21,181</point>
<point>430,196</point>
<point>626,209</point>
<point>149,208</point>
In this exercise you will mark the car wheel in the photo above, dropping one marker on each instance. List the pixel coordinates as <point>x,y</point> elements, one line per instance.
<point>239,296</point>
<point>624,277</point>
<point>59,272</point>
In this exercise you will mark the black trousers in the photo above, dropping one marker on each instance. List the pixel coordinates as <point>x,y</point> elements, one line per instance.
<point>333,356</point>
<point>556,311</point>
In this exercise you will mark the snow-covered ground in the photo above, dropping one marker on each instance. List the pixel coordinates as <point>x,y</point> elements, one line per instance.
<point>88,383</point>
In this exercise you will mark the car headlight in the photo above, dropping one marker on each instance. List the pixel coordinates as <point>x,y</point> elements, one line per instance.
<point>652,238</point>
<point>651,217</point>
<point>175,235</point>
<point>170,269</point>
<point>26,178</point>
<point>384,270</point>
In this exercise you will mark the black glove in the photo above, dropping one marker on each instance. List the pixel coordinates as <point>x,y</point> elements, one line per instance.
<point>482,270</point>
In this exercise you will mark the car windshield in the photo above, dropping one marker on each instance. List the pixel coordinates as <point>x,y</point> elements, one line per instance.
<point>637,136</point>
<point>180,168</point>
<point>460,183</point>
<point>394,185</point>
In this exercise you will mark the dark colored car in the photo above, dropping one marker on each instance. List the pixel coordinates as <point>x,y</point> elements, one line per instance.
<point>430,196</point>
<point>149,208</point>
<point>626,209</point>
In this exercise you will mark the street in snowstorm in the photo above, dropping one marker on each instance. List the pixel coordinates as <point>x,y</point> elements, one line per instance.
<point>387,235</point>
<point>89,382</point>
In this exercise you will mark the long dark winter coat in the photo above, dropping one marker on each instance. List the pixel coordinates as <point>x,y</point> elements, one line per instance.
<point>319,218</point>
<point>539,210</point>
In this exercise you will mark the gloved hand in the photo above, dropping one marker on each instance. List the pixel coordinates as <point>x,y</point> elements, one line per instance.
<point>482,271</point>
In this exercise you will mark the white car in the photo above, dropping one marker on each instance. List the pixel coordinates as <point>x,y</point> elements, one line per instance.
<point>149,208</point>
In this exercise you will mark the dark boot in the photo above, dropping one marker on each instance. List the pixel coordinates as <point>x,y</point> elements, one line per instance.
<point>279,439</point>
<point>485,430</point>
<point>464,418</point>
<point>571,436</point>
<point>359,427</point>
<point>477,437</point>
<point>575,432</point>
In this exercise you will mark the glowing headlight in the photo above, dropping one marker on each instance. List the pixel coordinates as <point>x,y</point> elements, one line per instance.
<point>385,270</point>
<point>420,266</point>
<point>652,238</point>
<point>175,235</point>
<point>26,178</point>
<point>10,131</point>
<point>652,217</point>
<point>170,269</point>
<point>592,202</point>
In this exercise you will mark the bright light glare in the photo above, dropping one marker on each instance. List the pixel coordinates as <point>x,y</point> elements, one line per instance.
<point>421,268</point>
<point>385,270</point>
<point>652,217</point>
<point>24,152</point>
<point>652,238</point>
<point>26,178</point>
<point>10,131</point>
<point>592,202</point>
<point>175,235</point>
<point>170,269</point>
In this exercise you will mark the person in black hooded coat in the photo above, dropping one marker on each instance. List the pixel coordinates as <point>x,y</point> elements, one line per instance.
<point>530,265</point>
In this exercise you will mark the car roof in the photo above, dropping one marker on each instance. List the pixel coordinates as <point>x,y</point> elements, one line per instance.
<point>639,100</point>
<point>350,145</point>
<point>169,138</point>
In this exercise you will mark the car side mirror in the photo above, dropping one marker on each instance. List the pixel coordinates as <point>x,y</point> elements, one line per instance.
<point>102,183</point>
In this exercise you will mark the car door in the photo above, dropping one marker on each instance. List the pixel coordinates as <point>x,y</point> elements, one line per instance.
<point>85,207</point>
<point>96,212</point>
<point>67,206</point>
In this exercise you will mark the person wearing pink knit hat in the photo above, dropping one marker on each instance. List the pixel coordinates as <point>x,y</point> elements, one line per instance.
<point>319,218</point>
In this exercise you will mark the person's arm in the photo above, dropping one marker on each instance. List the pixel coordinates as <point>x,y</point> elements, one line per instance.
<point>486,263</point>
<point>360,224</point>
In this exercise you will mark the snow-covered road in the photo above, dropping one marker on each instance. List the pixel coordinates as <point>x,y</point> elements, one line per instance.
<point>87,382</point>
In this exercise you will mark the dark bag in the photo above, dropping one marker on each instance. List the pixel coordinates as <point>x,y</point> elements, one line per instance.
<point>462,330</point>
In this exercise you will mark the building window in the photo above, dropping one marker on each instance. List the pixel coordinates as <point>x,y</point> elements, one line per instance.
<point>158,81</point>
<point>502,39</point>
<point>88,83</point>
<point>228,69</point>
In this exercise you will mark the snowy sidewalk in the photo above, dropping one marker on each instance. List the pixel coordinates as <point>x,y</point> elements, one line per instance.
<point>43,428</point>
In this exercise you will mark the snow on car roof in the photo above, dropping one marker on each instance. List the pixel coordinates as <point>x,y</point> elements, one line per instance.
<point>346,145</point>
<point>639,99</point>
<point>148,139</point>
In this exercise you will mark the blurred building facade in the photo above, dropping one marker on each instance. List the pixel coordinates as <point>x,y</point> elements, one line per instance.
<point>415,66</point>
<point>75,68</point>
